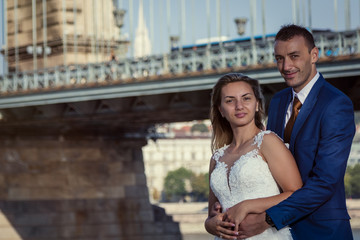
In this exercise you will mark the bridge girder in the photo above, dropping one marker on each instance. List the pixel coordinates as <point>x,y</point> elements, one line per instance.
<point>135,107</point>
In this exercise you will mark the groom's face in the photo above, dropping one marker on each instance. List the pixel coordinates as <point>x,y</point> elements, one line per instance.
<point>296,62</point>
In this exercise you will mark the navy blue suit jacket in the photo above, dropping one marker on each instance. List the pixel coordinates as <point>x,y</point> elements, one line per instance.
<point>320,143</point>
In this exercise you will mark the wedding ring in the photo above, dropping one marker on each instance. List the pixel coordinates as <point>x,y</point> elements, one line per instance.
<point>221,235</point>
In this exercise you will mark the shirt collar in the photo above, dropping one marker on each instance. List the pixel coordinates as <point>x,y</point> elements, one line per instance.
<point>306,90</point>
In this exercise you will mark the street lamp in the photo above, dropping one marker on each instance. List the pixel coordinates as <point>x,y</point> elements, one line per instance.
<point>119,22</point>
<point>38,50</point>
<point>119,17</point>
<point>174,41</point>
<point>240,25</point>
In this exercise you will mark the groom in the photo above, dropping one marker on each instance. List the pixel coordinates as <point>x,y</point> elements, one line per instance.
<point>320,140</point>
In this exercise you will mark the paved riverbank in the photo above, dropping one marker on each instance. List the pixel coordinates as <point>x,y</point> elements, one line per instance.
<point>353,206</point>
<point>191,216</point>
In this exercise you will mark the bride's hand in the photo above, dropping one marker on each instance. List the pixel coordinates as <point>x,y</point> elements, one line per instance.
<point>216,226</point>
<point>236,214</point>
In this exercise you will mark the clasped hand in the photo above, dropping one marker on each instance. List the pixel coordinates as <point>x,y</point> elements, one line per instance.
<point>236,222</point>
<point>236,214</point>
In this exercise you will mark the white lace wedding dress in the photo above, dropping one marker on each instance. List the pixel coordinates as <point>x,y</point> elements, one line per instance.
<point>249,178</point>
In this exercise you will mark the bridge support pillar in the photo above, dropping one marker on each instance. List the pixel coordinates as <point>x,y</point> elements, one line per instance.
<point>77,189</point>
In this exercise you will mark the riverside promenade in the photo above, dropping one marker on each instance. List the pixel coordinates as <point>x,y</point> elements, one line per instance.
<point>354,211</point>
<point>191,217</point>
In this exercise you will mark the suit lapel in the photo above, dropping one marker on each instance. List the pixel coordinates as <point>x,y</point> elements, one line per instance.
<point>306,110</point>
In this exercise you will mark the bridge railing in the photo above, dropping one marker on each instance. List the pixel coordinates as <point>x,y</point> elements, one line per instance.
<point>334,44</point>
<point>220,56</point>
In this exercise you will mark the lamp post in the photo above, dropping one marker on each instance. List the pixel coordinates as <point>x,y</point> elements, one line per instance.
<point>253,27</point>
<point>119,17</point>
<point>240,25</point>
<point>119,22</point>
<point>347,15</point>
<point>38,50</point>
<point>174,41</point>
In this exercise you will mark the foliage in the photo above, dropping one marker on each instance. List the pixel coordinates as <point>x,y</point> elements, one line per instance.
<point>352,181</point>
<point>200,186</point>
<point>183,182</point>
<point>199,127</point>
<point>347,183</point>
<point>174,185</point>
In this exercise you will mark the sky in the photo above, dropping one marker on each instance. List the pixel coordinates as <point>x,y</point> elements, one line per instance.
<point>192,24</point>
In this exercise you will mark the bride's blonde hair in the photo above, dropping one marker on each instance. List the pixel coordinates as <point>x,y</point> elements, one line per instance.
<point>222,132</point>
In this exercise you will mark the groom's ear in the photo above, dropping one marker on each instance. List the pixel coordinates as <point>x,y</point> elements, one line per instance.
<point>314,55</point>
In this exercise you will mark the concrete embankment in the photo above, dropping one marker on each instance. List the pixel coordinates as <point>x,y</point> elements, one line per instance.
<point>191,216</point>
<point>353,206</point>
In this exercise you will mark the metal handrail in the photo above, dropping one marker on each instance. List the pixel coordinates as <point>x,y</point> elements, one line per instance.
<point>330,44</point>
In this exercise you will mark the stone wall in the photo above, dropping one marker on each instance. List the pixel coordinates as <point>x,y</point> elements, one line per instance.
<point>77,189</point>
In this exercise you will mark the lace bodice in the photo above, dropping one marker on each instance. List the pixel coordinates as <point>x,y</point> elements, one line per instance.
<point>248,178</point>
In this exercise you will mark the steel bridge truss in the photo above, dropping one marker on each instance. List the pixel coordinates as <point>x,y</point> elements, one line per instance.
<point>183,61</point>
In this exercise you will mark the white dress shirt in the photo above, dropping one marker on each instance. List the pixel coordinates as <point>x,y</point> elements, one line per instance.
<point>302,95</point>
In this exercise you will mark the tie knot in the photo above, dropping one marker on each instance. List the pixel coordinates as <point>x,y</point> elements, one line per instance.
<point>297,104</point>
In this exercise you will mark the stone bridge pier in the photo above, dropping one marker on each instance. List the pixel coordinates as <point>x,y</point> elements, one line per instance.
<point>75,171</point>
<point>77,188</point>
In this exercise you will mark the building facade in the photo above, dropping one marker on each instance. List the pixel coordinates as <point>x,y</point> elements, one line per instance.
<point>182,148</point>
<point>167,155</point>
<point>45,34</point>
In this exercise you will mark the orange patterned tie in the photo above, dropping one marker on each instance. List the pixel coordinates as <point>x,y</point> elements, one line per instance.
<point>289,126</point>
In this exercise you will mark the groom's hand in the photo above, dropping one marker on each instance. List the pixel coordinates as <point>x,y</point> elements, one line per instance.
<point>252,225</point>
<point>217,227</point>
<point>215,209</point>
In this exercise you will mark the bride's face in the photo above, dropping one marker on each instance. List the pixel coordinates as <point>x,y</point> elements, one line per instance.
<point>238,104</point>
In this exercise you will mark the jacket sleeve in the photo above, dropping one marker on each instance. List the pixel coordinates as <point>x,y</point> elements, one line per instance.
<point>329,161</point>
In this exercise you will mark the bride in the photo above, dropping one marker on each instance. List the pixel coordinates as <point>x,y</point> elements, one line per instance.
<point>251,169</point>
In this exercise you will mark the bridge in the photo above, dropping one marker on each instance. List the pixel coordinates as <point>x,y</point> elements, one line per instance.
<point>71,135</point>
<point>155,89</point>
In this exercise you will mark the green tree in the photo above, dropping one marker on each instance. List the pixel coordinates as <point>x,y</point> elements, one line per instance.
<point>200,187</point>
<point>199,127</point>
<point>347,182</point>
<point>174,184</point>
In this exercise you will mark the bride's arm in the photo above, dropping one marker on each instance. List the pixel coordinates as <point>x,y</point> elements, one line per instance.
<point>285,172</point>
<point>214,223</point>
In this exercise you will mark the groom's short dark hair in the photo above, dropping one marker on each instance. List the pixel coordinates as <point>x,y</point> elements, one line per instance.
<point>287,32</point>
